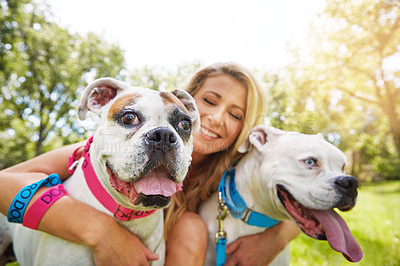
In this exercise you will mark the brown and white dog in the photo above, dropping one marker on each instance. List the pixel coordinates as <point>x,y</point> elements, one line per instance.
<point>288,175</point>
<point>140,154</point>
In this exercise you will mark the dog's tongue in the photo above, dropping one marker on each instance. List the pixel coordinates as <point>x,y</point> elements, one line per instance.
<point>339,235</point>
<point>157,182</point>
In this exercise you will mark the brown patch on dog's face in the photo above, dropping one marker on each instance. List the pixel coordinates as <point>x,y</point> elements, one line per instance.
<point>120,103</point>
<point>169,99</point>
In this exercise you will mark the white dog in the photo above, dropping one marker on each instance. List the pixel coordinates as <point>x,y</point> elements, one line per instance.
<point>287,175</point>
<point>140,154</point>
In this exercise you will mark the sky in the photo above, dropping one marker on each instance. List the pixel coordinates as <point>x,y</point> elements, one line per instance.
<point>167,33</point>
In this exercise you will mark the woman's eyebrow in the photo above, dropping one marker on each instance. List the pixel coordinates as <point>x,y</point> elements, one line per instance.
<point>216,94</point>
<point>238,107</point>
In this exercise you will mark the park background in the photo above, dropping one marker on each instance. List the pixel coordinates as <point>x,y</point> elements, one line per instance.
<point>329,66</point>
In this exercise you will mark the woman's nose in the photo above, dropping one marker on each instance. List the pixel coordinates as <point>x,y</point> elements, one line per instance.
<point>218,117</point>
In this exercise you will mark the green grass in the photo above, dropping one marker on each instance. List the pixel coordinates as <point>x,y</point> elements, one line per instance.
<point>12,264</point>
<point>374,222</point>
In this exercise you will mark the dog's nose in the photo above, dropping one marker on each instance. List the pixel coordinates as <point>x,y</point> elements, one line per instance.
<point>161,138</point>
<point>347,184</point>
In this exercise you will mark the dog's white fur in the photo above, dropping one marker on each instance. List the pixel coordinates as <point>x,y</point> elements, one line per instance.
<point>278,157</point>
<point>126,149</point>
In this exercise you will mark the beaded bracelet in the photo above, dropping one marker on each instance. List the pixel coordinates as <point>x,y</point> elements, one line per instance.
<point>20,202</point>
<point>36,211</point>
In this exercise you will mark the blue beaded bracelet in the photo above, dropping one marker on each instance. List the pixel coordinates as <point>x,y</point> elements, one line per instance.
<point>20,202</point>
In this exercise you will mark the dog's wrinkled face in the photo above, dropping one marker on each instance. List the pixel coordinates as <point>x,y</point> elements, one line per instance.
<point>307,180</point>
<point>144,139</point>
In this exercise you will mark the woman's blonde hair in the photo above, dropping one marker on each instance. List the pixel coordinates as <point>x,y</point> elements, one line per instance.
<point>199,186</point>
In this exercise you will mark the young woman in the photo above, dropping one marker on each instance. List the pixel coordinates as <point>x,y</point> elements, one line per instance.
<point>230,103</point>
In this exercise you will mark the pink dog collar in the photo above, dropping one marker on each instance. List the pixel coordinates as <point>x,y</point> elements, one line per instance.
<point>120,212</point>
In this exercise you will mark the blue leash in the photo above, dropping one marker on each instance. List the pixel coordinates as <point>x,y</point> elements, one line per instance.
<point>238,208</point>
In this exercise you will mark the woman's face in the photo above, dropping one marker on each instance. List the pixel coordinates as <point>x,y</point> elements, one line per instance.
<point>221,102</point>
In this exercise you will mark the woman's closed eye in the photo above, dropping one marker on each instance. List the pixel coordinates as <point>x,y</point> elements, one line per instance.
<point>210,102</point>
<point>235,116</point>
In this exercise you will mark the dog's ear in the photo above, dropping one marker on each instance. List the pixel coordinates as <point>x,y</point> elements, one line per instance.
<point>191,106</point>
<point>259,136</point>
<point>97,94</point>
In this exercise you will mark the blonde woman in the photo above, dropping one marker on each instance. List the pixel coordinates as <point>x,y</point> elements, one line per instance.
<point>230,102</point>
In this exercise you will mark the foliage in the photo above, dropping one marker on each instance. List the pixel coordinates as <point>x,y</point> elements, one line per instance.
<point>43,68</point>
<point>288,109</point>
<point>374,224</point>
<point>162,79</point>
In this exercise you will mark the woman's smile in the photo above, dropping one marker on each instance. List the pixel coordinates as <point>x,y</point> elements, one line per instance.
<point>207,133</point>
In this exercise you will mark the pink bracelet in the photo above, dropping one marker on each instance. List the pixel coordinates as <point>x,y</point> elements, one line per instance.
<point>35,213</point>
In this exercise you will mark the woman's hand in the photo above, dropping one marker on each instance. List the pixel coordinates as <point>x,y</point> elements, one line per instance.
<point>261,248</point>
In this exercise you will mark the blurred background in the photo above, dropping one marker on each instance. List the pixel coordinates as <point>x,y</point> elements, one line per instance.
<point>329,66</point>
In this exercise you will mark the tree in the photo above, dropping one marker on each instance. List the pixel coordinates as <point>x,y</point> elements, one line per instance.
<point>350,72</point>
<point>163,79</point>
<point>43,69</point>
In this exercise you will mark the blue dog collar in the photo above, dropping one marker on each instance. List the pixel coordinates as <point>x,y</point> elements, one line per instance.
<point>237,206</point>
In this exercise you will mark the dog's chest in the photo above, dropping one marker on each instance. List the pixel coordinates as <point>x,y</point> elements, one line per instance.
<point>149,229</point>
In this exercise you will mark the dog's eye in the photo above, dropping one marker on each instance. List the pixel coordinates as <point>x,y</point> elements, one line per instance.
<point>310,162</point>
<point>184,124</point>
<point>130,119</point>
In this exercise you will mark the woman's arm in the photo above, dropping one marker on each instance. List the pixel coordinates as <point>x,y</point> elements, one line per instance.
<point>16,177</point>
<point>70,219</point>
<point>262,248</point>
